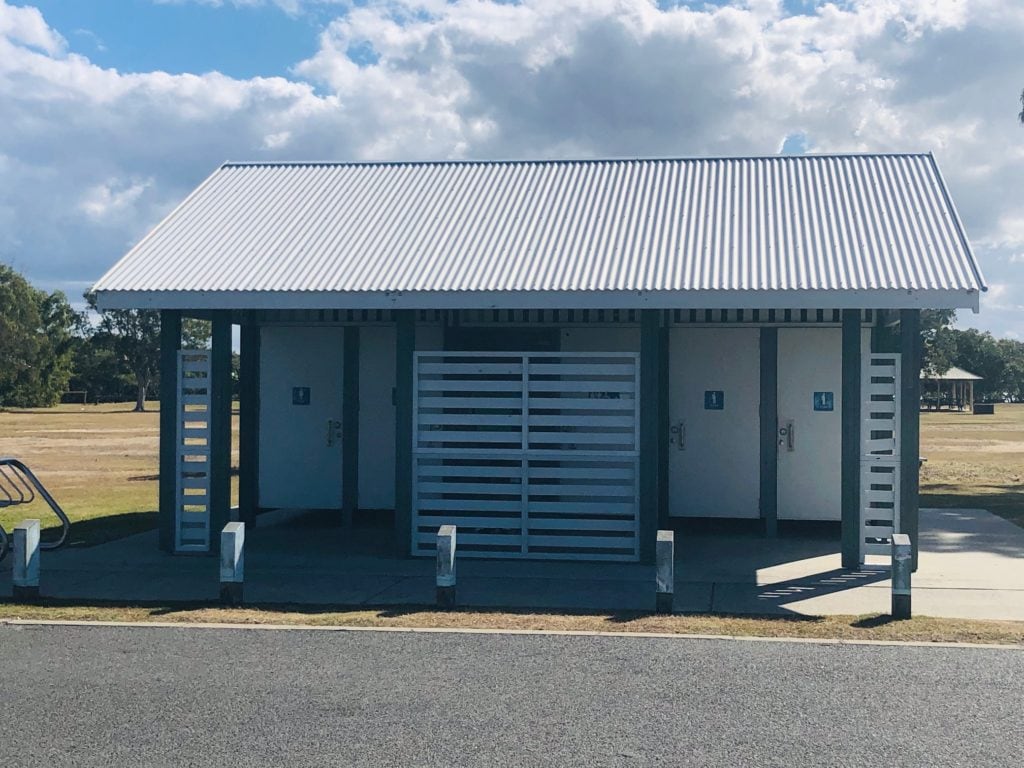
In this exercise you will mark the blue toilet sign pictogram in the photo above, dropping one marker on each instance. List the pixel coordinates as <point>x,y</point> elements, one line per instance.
<point>824,401</point>
<point>714,400</point>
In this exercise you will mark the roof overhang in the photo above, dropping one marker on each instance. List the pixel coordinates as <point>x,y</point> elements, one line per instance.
<point>705,299</point>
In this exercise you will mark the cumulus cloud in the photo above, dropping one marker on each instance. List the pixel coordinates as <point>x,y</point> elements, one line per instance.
<point>412,79</point>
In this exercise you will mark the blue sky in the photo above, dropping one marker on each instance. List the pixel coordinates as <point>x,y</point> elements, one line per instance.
<point>113,110</point>
<point>143,36</point>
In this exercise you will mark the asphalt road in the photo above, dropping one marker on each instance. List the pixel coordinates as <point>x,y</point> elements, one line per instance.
<point>89,696</point>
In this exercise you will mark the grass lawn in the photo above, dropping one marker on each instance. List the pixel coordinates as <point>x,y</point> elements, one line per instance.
<point>975,461</point>
<point>98,461</point>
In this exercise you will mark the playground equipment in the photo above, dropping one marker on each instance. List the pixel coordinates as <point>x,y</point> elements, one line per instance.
<point>19,485</point>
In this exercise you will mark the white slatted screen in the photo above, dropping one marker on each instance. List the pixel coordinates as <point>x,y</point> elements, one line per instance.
<point>192,493</point>
<point>530,455</point>
<point>880,453</point>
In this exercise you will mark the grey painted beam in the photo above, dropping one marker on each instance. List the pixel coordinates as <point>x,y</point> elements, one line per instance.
<point>405,324</point>
<point>910,427</point>
<point>769,417</point>
<point>650,321</point>
<point>220,425</point>
<point>851,426</point>
<point>350,426</point>
<point>249,423</point>
<point>170,343</point>
<point>663,427</point>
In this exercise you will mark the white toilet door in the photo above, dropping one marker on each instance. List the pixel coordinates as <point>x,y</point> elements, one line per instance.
<point>714,397</point>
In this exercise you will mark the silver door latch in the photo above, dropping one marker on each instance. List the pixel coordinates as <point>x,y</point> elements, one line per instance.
<point>333,432</point>
<point>677,435</point>
<point>787,436</point>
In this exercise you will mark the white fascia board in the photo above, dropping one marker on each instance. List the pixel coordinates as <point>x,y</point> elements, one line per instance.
<point>799,299</point>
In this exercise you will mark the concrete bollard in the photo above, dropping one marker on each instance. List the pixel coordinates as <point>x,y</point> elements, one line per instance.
<point>446,566</point>
<point>665,572</point>
<point>232,563</point>
<point>25,570</point>
<point>902,563</point>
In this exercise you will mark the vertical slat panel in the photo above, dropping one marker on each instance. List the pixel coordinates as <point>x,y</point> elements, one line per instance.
<point>880,460</point>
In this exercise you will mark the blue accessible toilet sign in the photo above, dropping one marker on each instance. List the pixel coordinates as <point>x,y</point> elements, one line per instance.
<point>824,401</point>
<point>714,400</point>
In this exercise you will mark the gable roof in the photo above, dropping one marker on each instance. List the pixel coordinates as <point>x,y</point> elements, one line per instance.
<point>825,231</point>
<point>952,374</point>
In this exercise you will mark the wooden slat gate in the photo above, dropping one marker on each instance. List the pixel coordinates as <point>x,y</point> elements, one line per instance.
<point>880,453</point>
<point>530,455</point>
<point>192,472</point>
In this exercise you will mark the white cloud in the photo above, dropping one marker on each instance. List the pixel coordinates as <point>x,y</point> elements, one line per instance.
<point>407,79</point>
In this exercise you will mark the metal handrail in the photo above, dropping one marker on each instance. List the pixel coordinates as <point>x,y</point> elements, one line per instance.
<point>29,482</point>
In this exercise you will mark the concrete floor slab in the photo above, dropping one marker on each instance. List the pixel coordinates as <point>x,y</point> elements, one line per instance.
<point>971,566</point>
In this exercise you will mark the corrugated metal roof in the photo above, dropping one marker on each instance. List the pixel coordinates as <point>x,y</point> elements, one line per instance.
<point>781,223</point>
<point>953,374</point>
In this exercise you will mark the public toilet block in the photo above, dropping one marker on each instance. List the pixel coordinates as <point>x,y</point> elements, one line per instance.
<point>558,358</point>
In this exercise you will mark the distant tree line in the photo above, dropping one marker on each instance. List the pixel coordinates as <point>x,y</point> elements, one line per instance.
<point>1000,362</point>
<point>48,349</point>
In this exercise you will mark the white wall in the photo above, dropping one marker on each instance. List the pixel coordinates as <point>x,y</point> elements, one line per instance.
<point>376,417</point>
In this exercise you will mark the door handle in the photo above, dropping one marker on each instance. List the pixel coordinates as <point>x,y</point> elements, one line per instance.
<point>333,432</point>
<point>677,434</point>
<point>787,436</point>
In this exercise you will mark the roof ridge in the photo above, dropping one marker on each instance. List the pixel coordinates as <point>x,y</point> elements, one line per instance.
<point>565,161</point>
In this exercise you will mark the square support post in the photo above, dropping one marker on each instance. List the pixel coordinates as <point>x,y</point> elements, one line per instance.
<point>350,427</point>
<point>663,427</point>
<point>665,572</point>
<point>901,569</point>
<point>249,424</point>
<point>769,414</point>
<point>220,424</point>
<point>405,347</point>
<point>446,566</point>
<point>170,343</point>
<point>25,569</point>
<point>910,427</point>
<point>650,364</point>
<point>851,427</point>
<point>232,563</point>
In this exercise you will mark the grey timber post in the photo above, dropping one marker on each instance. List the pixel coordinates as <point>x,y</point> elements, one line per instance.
<point>350,427</point>
<point>851,425</point>
<point>663,426</point>
<point>405,322</point>
<point>902,564</point>
<point>25,569</point>
<point>220,423</point>
<point>910,427</point>
<point>446,566</point>
<point>650,320</point>
<point>769,413</point>
<point>249,423</point>
<point>170,343</point>
<point>232,563</point>
<point>665,572</point>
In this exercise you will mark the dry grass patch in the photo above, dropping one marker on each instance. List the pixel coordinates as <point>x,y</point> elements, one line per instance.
<point>872,627</point>
<point>975,461</point>
<point>99,462</point>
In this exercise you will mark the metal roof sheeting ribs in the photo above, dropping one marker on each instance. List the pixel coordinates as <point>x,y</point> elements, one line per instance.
<point>779,224</point>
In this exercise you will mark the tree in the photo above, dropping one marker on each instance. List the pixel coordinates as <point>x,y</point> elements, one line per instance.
<point>35,343</point>
<point>938,345</point>
<point>1020,115</point>
<point>133,336</point>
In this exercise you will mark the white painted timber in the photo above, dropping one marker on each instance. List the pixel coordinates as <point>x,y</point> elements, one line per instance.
<point>714,455</point>
<point>25,550</point>
<point>880,453</point>
<point>301,445</point>
<point>232,553</point>
<point>192,441</point>
<point>530,455</point>
<point>865,230</point>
